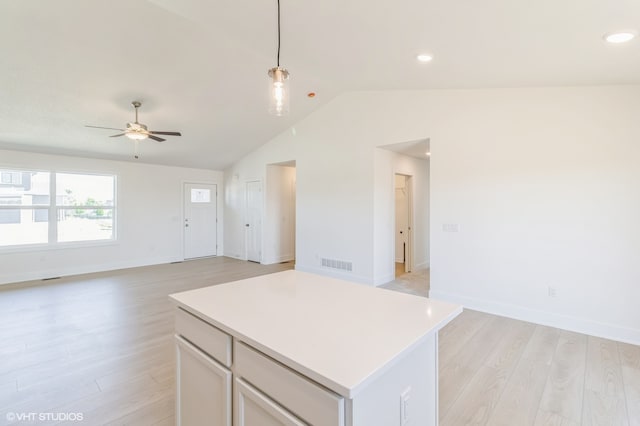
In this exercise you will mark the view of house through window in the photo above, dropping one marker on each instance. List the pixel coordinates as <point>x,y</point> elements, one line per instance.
<point>43,207</point>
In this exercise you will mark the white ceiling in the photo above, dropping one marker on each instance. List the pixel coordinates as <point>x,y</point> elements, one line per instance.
<point>200,66</point>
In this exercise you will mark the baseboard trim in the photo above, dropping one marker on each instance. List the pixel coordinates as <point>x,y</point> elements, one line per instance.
<point>279,259</point>
<point>421,266</point>
<point>77,270</point>
<point>383,280</point>
<point>565,322</point>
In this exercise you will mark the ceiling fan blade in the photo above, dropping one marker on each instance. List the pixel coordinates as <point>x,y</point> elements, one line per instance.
<point>165,133</point>
<point>108,128</point>
<point>155,138</point>
<point>115,136</point>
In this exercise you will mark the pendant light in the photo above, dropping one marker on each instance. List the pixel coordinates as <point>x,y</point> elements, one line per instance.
<point>278,83</point>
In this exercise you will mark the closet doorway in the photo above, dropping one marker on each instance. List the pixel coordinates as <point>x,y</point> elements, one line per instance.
<point>403,224</point>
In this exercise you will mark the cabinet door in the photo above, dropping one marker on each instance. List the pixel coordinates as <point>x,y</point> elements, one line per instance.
<point>253,408</point>
<point>203,388</point>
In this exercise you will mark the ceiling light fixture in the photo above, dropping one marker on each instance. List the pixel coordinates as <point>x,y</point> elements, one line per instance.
<point>278,83</point>
<point>620,36</point>
<point>424,58</point>
<point>136,131</point>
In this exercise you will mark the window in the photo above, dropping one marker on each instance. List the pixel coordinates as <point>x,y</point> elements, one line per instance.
<point>84,205</point>
<point>9,177</point>
<point>200,195</point>
<point>44,207</point>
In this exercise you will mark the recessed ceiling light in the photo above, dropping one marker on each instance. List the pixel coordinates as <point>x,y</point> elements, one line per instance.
<point>620,36</point>
<point>428,154</point>
<point>424,58</point>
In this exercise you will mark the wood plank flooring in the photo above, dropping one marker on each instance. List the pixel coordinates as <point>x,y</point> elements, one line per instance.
<point>101,345</point>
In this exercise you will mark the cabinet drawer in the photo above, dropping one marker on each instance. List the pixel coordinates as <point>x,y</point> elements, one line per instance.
<point>304,398</point>
<point>213,341</point>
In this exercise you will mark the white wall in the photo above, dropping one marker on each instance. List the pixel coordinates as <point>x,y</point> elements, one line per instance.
<point>279,215</point>
<point>149,218</point>
<point>333,186</point>
<point>251,168</point>
<point>544,184</point>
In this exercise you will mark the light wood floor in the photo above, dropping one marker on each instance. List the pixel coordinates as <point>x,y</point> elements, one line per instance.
<point>101,345</point>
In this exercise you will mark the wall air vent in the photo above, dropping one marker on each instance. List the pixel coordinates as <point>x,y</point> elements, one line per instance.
<point>337,264</point>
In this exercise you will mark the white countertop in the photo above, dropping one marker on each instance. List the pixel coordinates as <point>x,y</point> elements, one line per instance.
<point>340,334</point>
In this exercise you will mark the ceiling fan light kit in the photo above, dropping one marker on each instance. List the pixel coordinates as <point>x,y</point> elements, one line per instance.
<point>137,131</point>
<point>278,83</point>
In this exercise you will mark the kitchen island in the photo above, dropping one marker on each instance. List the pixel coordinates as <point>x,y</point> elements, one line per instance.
<point>294,348</point>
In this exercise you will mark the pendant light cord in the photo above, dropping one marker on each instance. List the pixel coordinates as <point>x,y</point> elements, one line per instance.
<point>278,61</point>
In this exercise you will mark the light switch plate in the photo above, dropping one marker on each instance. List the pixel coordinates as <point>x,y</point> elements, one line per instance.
<point>451,227</point>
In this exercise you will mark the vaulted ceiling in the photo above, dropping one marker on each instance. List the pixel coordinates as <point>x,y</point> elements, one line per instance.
<point>200,66</point>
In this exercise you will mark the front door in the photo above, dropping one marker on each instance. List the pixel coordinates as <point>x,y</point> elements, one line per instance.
<point>200,217</point>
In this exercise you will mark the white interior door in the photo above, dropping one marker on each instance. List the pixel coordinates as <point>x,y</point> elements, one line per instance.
<point>200,217</point>
<point>253,223</point>
<point>402,224</point>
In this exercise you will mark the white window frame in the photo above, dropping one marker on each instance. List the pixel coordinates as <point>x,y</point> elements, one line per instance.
<point>53,210</point>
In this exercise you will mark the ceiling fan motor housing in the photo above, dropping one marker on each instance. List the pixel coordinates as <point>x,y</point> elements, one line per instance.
<point>136,127</point>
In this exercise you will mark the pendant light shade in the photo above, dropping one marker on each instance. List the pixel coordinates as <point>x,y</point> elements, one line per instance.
<point>279,91</point>
<point>278,83</point>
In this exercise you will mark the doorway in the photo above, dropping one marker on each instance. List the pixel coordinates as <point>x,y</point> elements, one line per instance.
<point>253,221</point>
<point>279,228</point>
<point>403,224</point>
<point>200,220</point>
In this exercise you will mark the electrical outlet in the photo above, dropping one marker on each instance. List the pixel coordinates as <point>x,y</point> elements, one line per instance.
<point>552,291</point>
<point>405,397</point>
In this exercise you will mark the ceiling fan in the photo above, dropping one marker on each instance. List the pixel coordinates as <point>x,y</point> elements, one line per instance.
<point>138,131</point>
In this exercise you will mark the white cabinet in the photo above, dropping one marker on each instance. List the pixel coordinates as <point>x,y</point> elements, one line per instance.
<point>300,349</point>
<point>253,408</point>
<point>204,388</point>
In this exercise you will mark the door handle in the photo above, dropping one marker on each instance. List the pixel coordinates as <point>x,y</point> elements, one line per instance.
<point>246,224</point>
<point>186,225</point>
